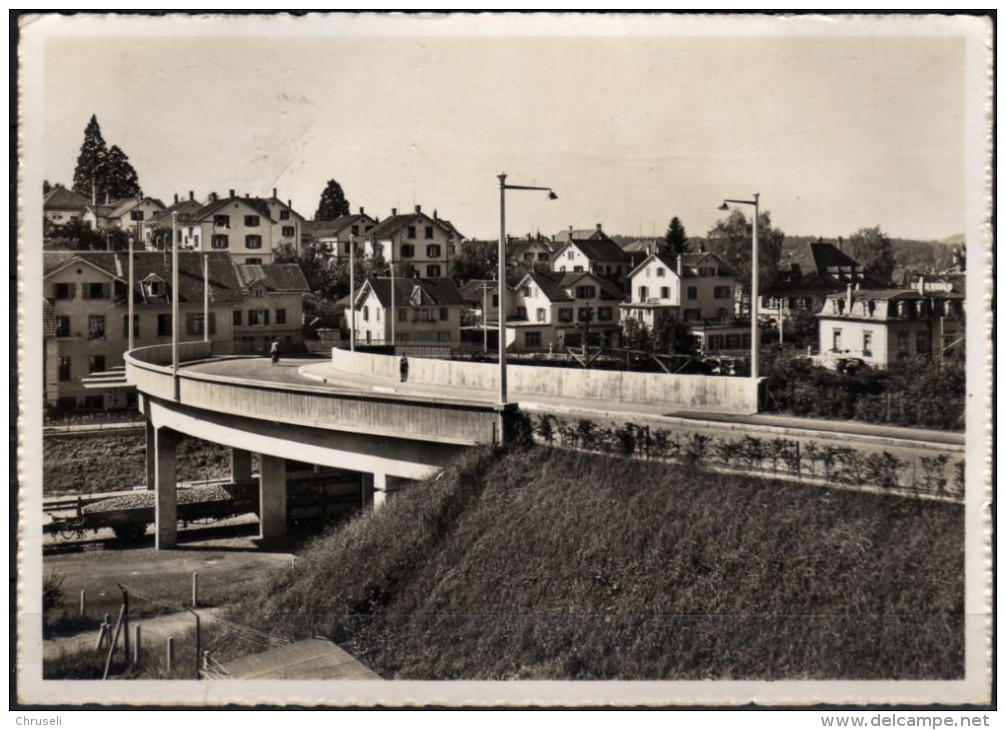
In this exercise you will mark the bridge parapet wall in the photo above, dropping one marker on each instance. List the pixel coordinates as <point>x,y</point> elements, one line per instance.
<point>692,392</point>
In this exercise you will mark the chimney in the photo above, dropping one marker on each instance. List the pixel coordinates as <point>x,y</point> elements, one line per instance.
<point>840,242</point>
<point>848,298</point>
<point>192,195</point>
<point>289,204</point>
<point>274,194</point>
<point>598,226</point>
<point>247,196</point>
<point>922,284</point>
<point>361,211</point>
<point>394,211</point>
<point>232,192</point>
<point>435,216</point>
<point>176,197</point>
<point>419,209</point>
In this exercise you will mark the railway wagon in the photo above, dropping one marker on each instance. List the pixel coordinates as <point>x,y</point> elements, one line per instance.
<point>309,497</point>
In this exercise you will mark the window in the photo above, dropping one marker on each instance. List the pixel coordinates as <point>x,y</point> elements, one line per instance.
<point>532,339</point>
<point>423,314</point>
<point>921,343</point>
<point>236,318</point>
<point>521,312</point>
<point>604,314</point>
<point>195,324</point>
<point>408,250</point>
<point>721,292</point>
<point>443,336</point>
<point>707,271</point>
<point>660,271</point>
<point>693,292</point>
<point>62,326</point>
<point>280,316</point>
<point>433,270</point>
<point>258,292</point>
<point>63,290</point>
<point>253,260</point>
<point>578,269</point>
<point>586,292</point>
<point>219,240</point>
<point>411,233</point>
<point>525,291</point>
<point>96,364</point>
<point>222,221</point>
<point>366,313</point>
<point>540,314</point>
<point>444,314</point>
<point>584,314</point>
<point>665,292</point>
<point>125,326</point>
<point>867,344</point>
<point>64,369</point>
<point>433,251</point>
<point>643,292</point>
<point>722,314</point>
<point>289,231</point>
<point>903,344</point>
<point>836,340</point>
<point>496,301</point>
<point>251,221</point>
<point>163,325</point>
<point>403,315</point>
<point>94,402</point>
<point>566,314</point>
<point>355,230</point>
<point>94,290</point>
<point>260,317</point>
<point>428,233</point>
<point>96,327</point>
<point>569,254</point>
<point>253,241</point>
<point>284,215</point>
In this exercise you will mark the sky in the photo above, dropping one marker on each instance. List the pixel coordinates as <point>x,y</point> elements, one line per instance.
<point>836,132</point>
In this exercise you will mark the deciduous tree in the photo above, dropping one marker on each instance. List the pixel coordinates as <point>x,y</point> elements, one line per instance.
<point>872,249</point>
<point>730,239</point>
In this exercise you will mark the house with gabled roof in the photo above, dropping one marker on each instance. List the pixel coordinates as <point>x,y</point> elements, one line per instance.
<point>590,251</point>
<point>158,223</point>
<point>123,213</point>
<point>335,235</point>
<point>549,309</point>
<point>243,227</point>
<point>530,252</point>
<point>416,243</point>
<point>272,306</point>
<point>61,206</point>
<point>409,311</point>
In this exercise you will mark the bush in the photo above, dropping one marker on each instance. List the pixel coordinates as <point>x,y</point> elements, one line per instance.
<point>53,596</point>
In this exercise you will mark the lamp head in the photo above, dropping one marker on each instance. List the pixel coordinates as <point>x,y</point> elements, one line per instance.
<point>724,206</point>
<point>552,196</point>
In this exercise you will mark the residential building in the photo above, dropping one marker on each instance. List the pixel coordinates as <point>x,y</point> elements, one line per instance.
<point>243,227</point>
<point>335,235</point>
<point>416,243</point>
<point>483,299</point>
<point>88,294</point>
<point>421,311</point>
<point>155,227</point>
<point>271,306</point>
<point>882,326</point>
<point>592,252</point>
<point>813,275</point>
<point>123,213</point>
<point>550,310</point>
<point>61,206</point>
<point>530,252</point>
<point>288,227</point>
<point>86,299</point>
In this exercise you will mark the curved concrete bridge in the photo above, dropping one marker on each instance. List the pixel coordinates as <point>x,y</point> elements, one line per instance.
<point>281,415</point>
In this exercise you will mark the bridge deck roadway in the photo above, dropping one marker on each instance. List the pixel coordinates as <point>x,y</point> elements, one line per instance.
<point>314,372</point>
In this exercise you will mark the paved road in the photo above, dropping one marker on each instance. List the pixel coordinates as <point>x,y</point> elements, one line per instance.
<point>321,373</point>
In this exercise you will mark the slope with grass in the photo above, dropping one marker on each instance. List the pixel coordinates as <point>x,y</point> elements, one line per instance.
<point>549,564</point>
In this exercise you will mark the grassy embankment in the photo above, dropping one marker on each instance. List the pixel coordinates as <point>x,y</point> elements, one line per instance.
<point>560,565</point>
<point>106,462</point>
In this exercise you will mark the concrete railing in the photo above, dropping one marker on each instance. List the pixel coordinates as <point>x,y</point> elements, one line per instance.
<point>313,406</point>
<point>691,392</point>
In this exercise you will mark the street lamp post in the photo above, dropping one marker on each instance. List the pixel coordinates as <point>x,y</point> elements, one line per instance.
<point>754,278</point>
<point>352,293</point>
<point>174,301</point>
<point>501,285</point>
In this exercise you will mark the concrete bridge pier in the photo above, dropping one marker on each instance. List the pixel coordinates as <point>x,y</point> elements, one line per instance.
<point>272,496</point>
<point>165,450</point>
<point>241,465</point>
<point>151,448</point>
<point>378,488</point>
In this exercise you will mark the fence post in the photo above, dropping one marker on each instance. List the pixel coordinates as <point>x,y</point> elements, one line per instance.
<point>195,590</point>
<point>102,630</point>
<point>170,653</point>
<point>83,602</point>
<point>125,625</point>
<point>136,646</point>
<point>115,641</point>
<point>199,645</point>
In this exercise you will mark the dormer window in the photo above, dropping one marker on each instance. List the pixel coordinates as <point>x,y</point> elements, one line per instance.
<point>154,287</point>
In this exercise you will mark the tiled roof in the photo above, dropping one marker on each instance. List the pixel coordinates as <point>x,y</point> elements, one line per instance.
<point>669,261</point>
<point>601,249</point>
<point>276,277</point>
<point>895,295</point>
<point>690,263</point>
<point>609,290</point>
<point>224,284</point>
<point>124,205</point>
<point>472,291</point>
<point>551,286</point>
<point>440,292</point>
<point>332,228</point>
<point>256,204</point>
<point>64,199</point>
<point>186,209</point>
<point>393,224</point>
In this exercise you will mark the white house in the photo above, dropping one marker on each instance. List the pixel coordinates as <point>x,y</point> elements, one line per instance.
<point>551,310</point>
<point>416,243</point>
<point>420,311</point>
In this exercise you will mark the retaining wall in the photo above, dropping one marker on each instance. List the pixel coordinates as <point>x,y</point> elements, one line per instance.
<point>689,392</point>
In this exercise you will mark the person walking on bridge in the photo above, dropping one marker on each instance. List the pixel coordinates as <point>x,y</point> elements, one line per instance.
<point>274,352</point>
<point>403,368</point>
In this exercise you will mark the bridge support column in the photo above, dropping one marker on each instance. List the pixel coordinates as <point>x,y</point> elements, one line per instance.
<point>380,489</point>
<point>241,465</point>
<point>366,489</point>
<point>151,450</point>
<point>272,496</point>
<point>165,448</point>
